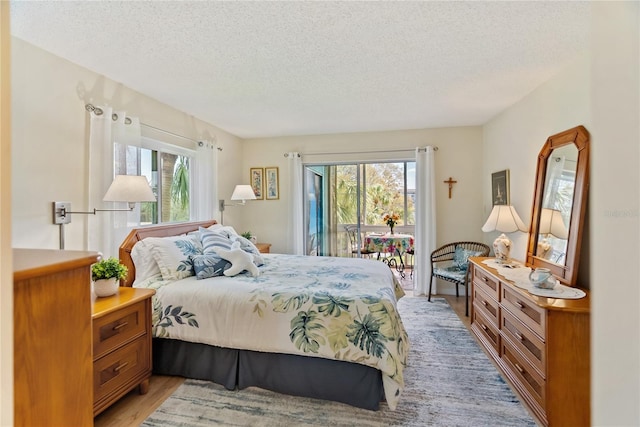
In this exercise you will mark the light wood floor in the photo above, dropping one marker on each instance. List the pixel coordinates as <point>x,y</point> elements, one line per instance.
<point>134,408</point>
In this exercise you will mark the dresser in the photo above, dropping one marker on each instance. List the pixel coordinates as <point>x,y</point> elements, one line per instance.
<point>540,344</point>
<point>52,337</point>
<point>121,345</point>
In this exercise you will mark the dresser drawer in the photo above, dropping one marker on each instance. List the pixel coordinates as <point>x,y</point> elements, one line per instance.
<point>122,366</point>
<point>489,307</point>
<point>523,374</point>
<point>525,310</point>
<point>489,284</point>
<point>486,329</point>
<point>528,343</point>
<point>114,329</point>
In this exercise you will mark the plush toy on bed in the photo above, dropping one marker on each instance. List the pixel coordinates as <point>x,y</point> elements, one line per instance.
<point>240,261</point>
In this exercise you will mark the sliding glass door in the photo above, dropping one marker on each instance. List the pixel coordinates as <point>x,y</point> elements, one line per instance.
<point>339,196</point>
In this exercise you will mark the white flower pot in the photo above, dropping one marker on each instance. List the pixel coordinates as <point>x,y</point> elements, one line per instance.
<point>105,287</point>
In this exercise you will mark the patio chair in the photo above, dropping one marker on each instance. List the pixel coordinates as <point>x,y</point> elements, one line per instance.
<point>451,263</point>
<point>352,232</point>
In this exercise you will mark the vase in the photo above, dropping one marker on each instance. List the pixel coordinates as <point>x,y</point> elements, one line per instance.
<point>391,230</point>
<point>105,287</point>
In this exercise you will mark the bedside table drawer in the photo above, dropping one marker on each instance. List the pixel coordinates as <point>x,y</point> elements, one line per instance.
<point>119,368</point>
<point>117,328</point>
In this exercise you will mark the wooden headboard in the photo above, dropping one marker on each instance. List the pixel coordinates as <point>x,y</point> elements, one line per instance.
<point>138,234</point>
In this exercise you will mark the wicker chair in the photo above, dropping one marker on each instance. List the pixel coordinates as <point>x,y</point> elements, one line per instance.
<point>456,255</point>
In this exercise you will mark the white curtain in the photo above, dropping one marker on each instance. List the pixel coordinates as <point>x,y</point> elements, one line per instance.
<point>106,230</point>
<point>296,212</point>
<point>204,195</point>
<point>425,236</point>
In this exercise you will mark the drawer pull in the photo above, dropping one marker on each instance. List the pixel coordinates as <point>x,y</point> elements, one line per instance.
<point>519,368</point>
<point>120,326</point>
<point>483,326</point>
<point>485,279</point>
<point>484,303</point>
<point>520,337</point>
<point>520,305</point>
<point>119,367</point>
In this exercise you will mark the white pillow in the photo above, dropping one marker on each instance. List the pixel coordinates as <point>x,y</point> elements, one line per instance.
<point>172,255</point>
<point>146,266</point>
<point>229,230</point>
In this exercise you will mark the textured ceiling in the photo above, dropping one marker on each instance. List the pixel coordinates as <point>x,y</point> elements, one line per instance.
<point>291,68</point>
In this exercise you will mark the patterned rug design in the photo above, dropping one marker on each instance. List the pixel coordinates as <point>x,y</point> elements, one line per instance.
<point>449,382</point>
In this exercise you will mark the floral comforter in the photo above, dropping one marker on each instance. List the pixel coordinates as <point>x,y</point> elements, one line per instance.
<point>335,308</point>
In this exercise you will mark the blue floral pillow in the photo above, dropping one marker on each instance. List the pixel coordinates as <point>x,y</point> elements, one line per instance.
<point>209,265</point>
<point>461,257</point>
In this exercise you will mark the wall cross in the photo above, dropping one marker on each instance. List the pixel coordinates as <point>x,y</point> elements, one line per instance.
<point>450,182</point>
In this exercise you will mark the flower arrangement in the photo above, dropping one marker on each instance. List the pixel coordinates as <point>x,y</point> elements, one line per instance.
<point>108,268</point>
<point>391,220</point>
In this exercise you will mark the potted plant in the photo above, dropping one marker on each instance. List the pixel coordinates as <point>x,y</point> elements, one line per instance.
<point>105,275</point>
<point>247,235</point>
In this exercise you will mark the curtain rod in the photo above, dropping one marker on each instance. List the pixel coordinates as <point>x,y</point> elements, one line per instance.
<point>98,112</point>
<point>435,148</point>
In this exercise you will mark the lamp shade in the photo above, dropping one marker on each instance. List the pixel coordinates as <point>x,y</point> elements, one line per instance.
<point>129,188</point>
<point>243,192</point>
<point>504,218</point>
<point>551,223</point>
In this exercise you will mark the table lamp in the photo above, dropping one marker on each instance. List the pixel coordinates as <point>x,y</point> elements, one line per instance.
<point>503,218</point>
<point>551,225</point>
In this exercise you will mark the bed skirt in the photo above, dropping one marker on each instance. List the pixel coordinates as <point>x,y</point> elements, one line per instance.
<point>335,380</point>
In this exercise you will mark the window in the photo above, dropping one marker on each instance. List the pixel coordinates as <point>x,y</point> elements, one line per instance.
<point>382,188</point>
<point>359,193</point>
<point>168,170</point>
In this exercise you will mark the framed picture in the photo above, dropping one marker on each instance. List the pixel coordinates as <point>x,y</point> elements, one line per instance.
<point>500,187</point>
<point>272,191</point>
<point>256,179</point>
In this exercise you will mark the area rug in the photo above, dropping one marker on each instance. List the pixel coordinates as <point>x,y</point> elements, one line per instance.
<point>449,382</point>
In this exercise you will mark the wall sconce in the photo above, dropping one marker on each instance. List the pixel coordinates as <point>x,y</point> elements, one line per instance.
<point>124,188</point>
<point>503,218</point>
<point>243,193</point>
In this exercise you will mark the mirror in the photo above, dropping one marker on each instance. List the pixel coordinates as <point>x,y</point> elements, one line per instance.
<point>559,204</point>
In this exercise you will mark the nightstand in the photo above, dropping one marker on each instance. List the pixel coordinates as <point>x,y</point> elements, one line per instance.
<point>121,345</point>
<point>264,248</point>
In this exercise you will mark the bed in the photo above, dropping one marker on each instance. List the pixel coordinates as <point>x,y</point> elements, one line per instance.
<point>319,327</point>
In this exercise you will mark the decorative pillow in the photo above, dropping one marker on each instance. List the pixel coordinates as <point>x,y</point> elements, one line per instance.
<point>209,265</point>
<point>173,255</point>
<point>247,246</point>
<point>146,266</point>
<point>225,229</point>
<point>240,261</point>
<point>461,257</point>
<point>212,240</point>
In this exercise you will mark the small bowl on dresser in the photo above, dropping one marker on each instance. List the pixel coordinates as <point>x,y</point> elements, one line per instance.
<point>542,278</point>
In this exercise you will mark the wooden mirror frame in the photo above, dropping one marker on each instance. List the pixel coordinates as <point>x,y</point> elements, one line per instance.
<point>567,273</point>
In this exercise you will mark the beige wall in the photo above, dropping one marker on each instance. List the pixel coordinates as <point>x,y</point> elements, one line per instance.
<point>50,137</point>
<point>513,139</point>
<point>459,150</point>
<point>6,276</point>
<point>615,207</point>
<point>601,92</point>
